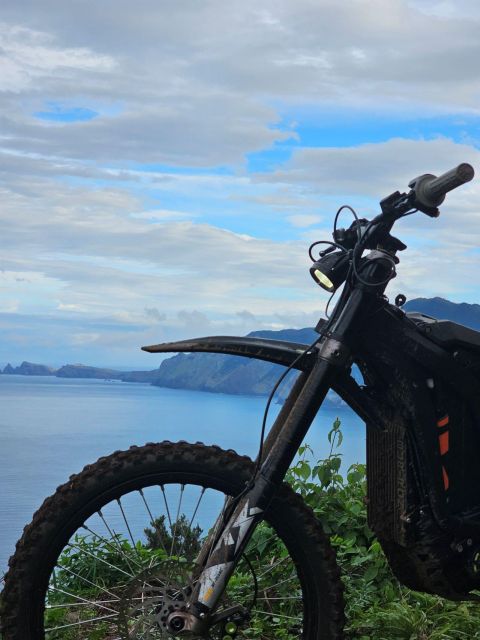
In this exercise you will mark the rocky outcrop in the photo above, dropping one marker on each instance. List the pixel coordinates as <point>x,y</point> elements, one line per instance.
<point>83,371</point>
<point>29,369</point>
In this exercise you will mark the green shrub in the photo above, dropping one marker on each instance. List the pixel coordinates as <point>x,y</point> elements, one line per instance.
<point>377,606</point>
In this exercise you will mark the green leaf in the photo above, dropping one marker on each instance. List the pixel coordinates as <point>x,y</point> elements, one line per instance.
<point>335,463</point>
<point>339,439</point>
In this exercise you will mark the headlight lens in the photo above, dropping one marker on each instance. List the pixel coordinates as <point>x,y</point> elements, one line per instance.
<point>322,280</point>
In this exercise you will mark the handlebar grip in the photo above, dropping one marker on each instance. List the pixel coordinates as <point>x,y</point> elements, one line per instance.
<point>430,191</point>
<point>449,180</point>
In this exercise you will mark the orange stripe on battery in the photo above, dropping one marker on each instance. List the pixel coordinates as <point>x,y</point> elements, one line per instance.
<point>443,440</point>
<point>443,421</point>
<point>446,481</point>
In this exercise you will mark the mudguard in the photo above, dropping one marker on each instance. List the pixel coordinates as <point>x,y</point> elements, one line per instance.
<point>277,352</point>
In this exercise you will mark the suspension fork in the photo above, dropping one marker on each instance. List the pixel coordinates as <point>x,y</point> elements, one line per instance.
<point>270,440</point>
<point>221,554</point>
<point>310,390</point>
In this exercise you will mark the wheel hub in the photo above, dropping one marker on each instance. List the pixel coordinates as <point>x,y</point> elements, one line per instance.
<point>154,605</point>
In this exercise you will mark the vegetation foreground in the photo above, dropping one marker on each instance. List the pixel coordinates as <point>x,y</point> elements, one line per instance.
<point>377,606</point>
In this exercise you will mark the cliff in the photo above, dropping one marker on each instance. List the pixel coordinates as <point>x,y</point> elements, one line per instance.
<point>228,374</point>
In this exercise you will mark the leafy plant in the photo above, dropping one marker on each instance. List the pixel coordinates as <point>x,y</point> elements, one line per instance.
<point>377,605</point>
<point>180,540</point>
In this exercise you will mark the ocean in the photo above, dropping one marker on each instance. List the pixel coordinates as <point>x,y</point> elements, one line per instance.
<point>51,427</point>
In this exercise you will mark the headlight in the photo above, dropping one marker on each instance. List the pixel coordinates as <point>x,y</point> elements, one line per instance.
<point>331,271</point>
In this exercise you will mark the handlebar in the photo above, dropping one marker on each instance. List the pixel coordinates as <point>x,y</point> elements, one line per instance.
<point>430,191</point>
<point>427,193</point>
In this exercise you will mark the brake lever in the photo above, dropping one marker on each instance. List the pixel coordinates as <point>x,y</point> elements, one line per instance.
<point>397,204</point>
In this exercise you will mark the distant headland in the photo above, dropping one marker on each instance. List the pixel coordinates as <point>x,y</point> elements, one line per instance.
<point>232,374</point>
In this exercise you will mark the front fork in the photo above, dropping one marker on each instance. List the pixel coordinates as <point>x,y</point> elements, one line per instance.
<point>221,555</point>
<point>224,548</point>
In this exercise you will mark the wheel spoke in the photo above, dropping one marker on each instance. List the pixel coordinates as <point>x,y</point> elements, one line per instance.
<point>114,536</point>
<point>166,506</point>
<point>77,575</point>
<point>79,623</point>
<point>174,536</point>
<point>69,605</point>
<point>276,615</point>
<point>127,525</point>
<point>191,521</point>
<point>152,522</point>
<point>274,586</point>
<point>272,567</point>
<point>88,553</point>
<point>282,598</point>
<point>83,600</point>
<point>142,605</point>
<point>116,547</point>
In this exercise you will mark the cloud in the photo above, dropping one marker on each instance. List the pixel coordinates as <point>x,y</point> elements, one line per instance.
<point>84,338</point>
<point>29,55</point>
<point>85,253</point>
<point>17,167</point>
<point>170,134</point>
<point>89,253</point>
<point>246,316</point>
<point>144,223</point>
<point>373,169</point>
<point>9,306</point>
<point>160,215</point>
<point>460,9</point>
<point>304,220</point>
<point>201,85</point>
<point>155,314</point>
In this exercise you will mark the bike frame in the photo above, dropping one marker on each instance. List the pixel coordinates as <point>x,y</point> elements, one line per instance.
<point>362,328</point>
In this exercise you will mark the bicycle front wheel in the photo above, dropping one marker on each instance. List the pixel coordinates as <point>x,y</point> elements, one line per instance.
<point>109,556</point>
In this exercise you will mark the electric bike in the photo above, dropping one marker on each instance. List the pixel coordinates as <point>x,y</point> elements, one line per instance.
<point>226,548</point>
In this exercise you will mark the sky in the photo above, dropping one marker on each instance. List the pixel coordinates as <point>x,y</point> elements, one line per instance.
<point>165,165</point>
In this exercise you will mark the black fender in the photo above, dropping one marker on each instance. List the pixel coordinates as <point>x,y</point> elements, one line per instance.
<point>277,352</point>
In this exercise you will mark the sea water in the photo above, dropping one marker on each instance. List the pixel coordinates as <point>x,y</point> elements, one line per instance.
<point>51,427</point>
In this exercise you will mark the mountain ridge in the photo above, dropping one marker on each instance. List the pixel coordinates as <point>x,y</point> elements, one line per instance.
<point>220,373</point>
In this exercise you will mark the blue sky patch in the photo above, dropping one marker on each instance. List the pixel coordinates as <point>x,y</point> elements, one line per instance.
<point>180,170</point>
<point>353,128</point>
<point>344,128</point>
<point>62,113</point>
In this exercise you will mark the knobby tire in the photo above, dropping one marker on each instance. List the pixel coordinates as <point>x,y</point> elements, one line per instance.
<point>123,472</point>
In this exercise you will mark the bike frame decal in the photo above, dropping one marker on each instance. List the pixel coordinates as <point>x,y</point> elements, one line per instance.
<point>226,548</point>
<point>444,446</point>
<point>209,580</point>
